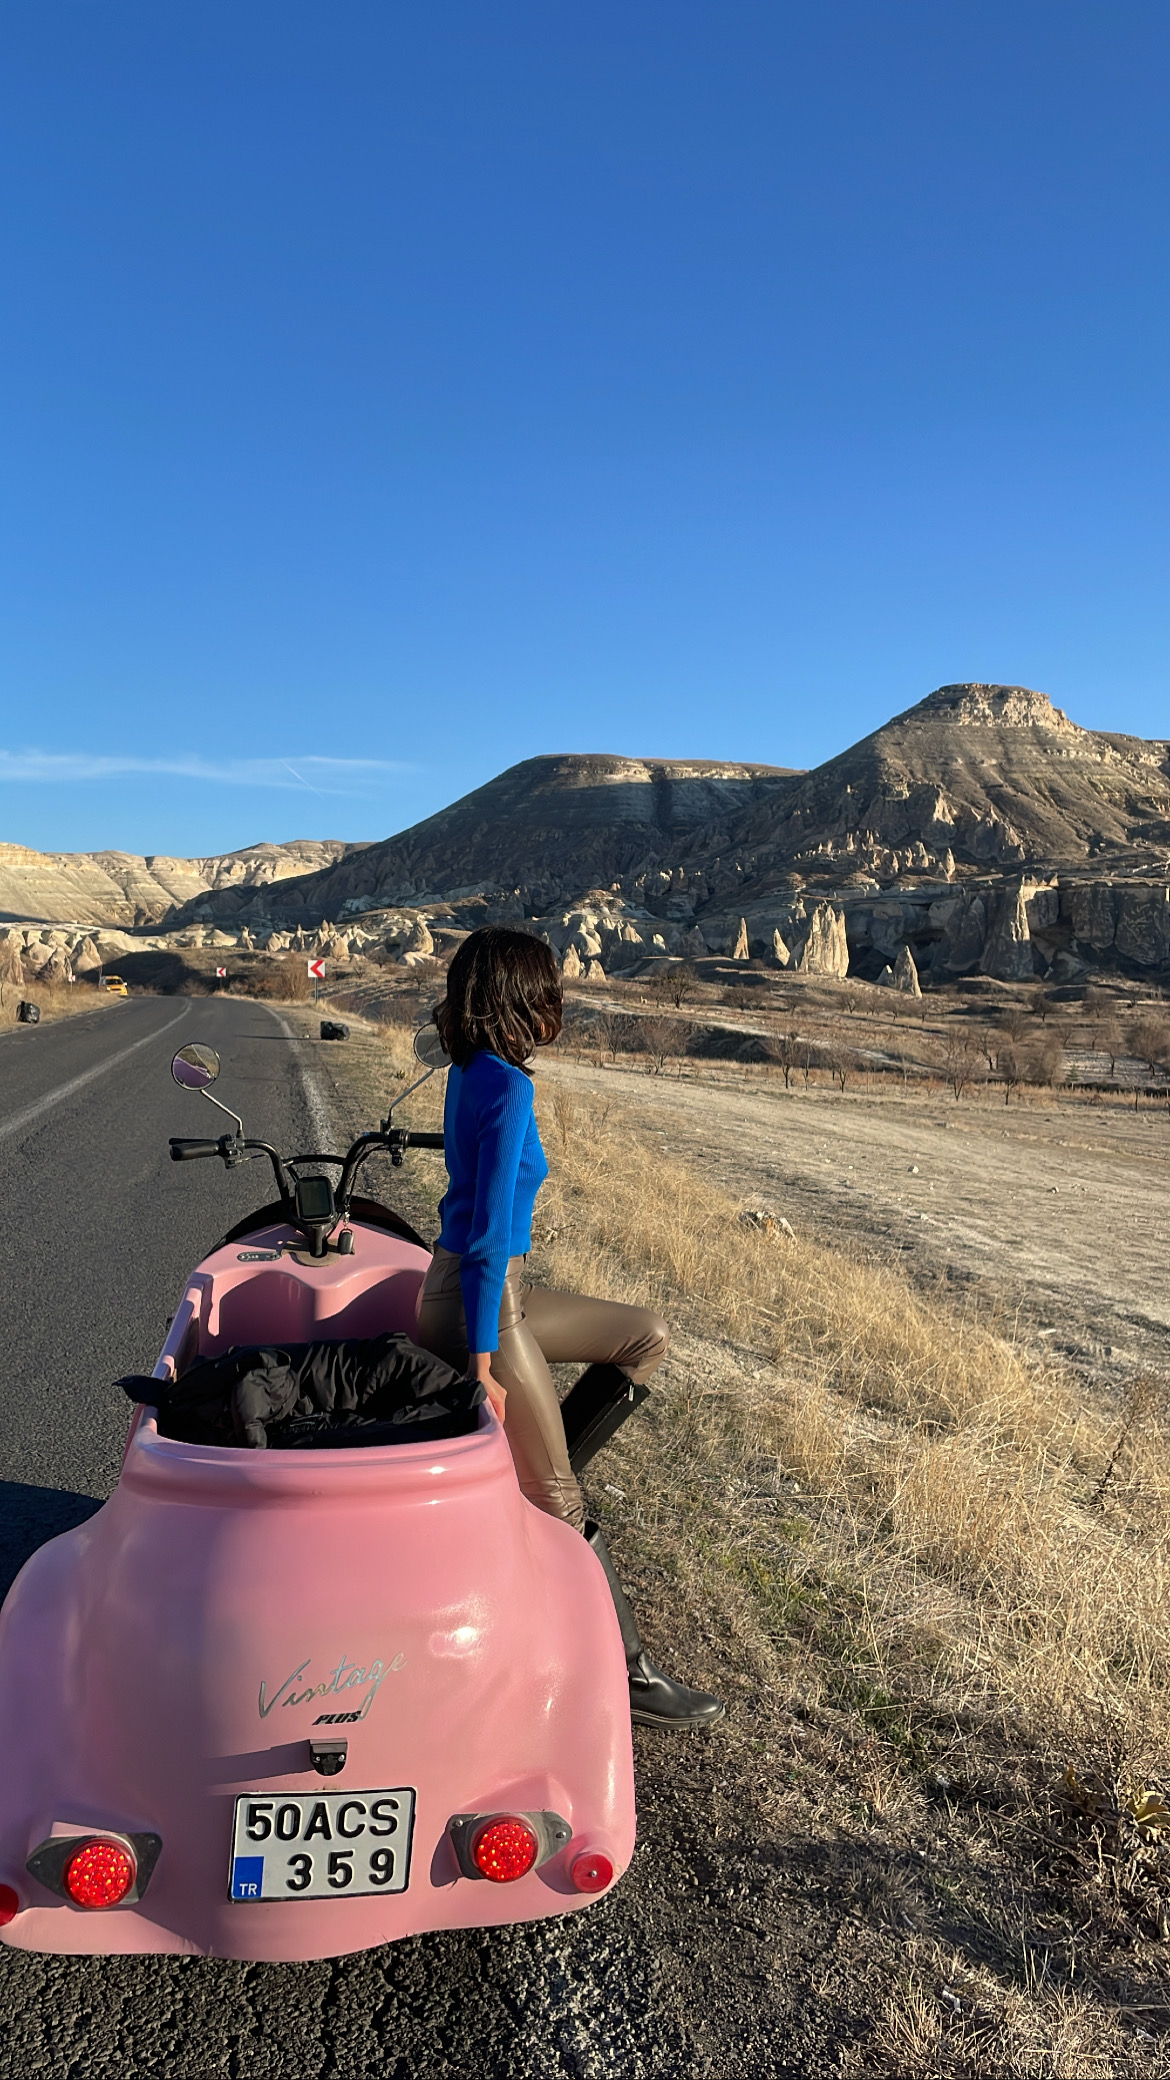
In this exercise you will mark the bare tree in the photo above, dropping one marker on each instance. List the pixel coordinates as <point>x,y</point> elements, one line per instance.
<point>663,1040</point>
<point>961,1058</point>
<point>681,983</point>
<point>611,1031</point>
<point>989,1048</point>
<point>1012,1068</point>
<point>1148,1038</point>
<point>841,1062</point>
<point>1044,1064</point>
<point>1041,1004</point>
<point>1015,1023</point>
<point>785,1050</point>
<point>1107,1040</point>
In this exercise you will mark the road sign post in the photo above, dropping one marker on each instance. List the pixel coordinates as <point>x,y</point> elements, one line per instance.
<point>317,971</point>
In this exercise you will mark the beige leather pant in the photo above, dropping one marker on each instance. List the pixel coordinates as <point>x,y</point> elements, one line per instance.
<point>539,1328</point>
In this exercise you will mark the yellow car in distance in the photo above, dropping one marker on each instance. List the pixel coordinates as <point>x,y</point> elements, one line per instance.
<point>113,985</point>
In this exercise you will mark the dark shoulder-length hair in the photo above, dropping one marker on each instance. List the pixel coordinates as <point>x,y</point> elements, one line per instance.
<point>503,996</point>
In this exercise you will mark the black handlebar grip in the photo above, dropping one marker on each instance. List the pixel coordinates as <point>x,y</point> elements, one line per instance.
<point>186,1151</point>
<point>424,1141</point>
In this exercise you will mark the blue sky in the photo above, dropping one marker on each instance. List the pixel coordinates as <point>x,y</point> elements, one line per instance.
<point>389,392</point>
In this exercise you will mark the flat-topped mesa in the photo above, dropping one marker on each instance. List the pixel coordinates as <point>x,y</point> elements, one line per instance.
<point>973,705</point>
<point>549,827</point>
<point>127,888</point>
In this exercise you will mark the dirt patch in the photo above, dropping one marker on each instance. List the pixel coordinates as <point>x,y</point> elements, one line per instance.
<point>1057,1209</point>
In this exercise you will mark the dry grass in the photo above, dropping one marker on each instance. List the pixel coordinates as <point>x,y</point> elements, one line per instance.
<point>946,2019</point>
<point>962,1482</point>
<point>60,1001</point>
<point>999,1542</point>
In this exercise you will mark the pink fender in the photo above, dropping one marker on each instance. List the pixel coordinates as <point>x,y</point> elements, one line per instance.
<point>225,1606</point>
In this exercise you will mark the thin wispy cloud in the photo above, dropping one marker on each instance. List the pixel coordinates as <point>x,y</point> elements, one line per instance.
<point>308,775</point>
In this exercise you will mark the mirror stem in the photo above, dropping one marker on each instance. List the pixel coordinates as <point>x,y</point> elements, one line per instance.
<point>224,1108</point>
<point>399,1100</point>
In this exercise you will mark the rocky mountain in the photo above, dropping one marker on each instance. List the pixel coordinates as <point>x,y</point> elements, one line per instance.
<point>975,777</point>
<point>120,888</point>
<point>982,831</point>
<point>540,833</point>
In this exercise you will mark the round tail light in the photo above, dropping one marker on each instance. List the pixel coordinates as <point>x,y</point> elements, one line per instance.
<point>9,1905</point>
<point>591,1871</point>
<point>99,1874</point>
<point>504,1850</point>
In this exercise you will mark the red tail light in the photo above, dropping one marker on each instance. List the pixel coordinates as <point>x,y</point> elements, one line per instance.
<point>504,1850</point>
<point>99,1874</point>
<point>9,1905</point>
<point>591,1871</point>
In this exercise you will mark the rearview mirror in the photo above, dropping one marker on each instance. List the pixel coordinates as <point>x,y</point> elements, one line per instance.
<point>429,1049</point>
<point>195,1066</point>
<point>430,1054</point>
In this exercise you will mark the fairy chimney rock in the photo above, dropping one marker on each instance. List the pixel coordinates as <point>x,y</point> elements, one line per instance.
<point>906,974</point>
<point>1008,952</point>
<point>825,950</point>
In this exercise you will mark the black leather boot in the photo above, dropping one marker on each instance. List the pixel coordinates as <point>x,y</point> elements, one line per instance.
<point>654,1699</point>
<point>595,1406</point>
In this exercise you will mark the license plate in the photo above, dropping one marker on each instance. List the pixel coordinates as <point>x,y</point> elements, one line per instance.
<point>338,1845</point>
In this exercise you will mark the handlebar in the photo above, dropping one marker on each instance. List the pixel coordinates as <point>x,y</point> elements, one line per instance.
<point>235,1148</point>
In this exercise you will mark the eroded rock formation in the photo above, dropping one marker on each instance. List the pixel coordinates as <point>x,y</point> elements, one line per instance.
<point>980,831</point>
<point>825,949</point>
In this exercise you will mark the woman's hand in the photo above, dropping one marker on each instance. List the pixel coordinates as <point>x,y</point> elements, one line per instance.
<point>480,1368</point>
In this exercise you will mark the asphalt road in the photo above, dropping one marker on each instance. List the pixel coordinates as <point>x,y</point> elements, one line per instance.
<point>98,1229</point>
<point>98,1225</point>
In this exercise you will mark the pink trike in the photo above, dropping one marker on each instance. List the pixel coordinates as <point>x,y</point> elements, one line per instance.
<point>283,1704</point>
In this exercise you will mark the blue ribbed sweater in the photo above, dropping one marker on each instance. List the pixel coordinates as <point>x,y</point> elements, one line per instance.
<point>496,1166</point>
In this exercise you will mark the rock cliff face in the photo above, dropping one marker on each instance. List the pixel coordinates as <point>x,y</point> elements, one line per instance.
<point>542,833</point>
<point>120,888</point>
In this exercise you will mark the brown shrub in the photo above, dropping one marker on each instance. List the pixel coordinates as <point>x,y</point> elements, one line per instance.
<point>283,981</point>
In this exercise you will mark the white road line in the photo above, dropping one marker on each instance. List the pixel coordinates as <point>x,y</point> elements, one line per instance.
<point>320,1116</point>
<point>17,1120</point>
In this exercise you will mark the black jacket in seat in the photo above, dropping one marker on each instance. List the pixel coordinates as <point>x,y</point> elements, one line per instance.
<point>369,1390</point>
